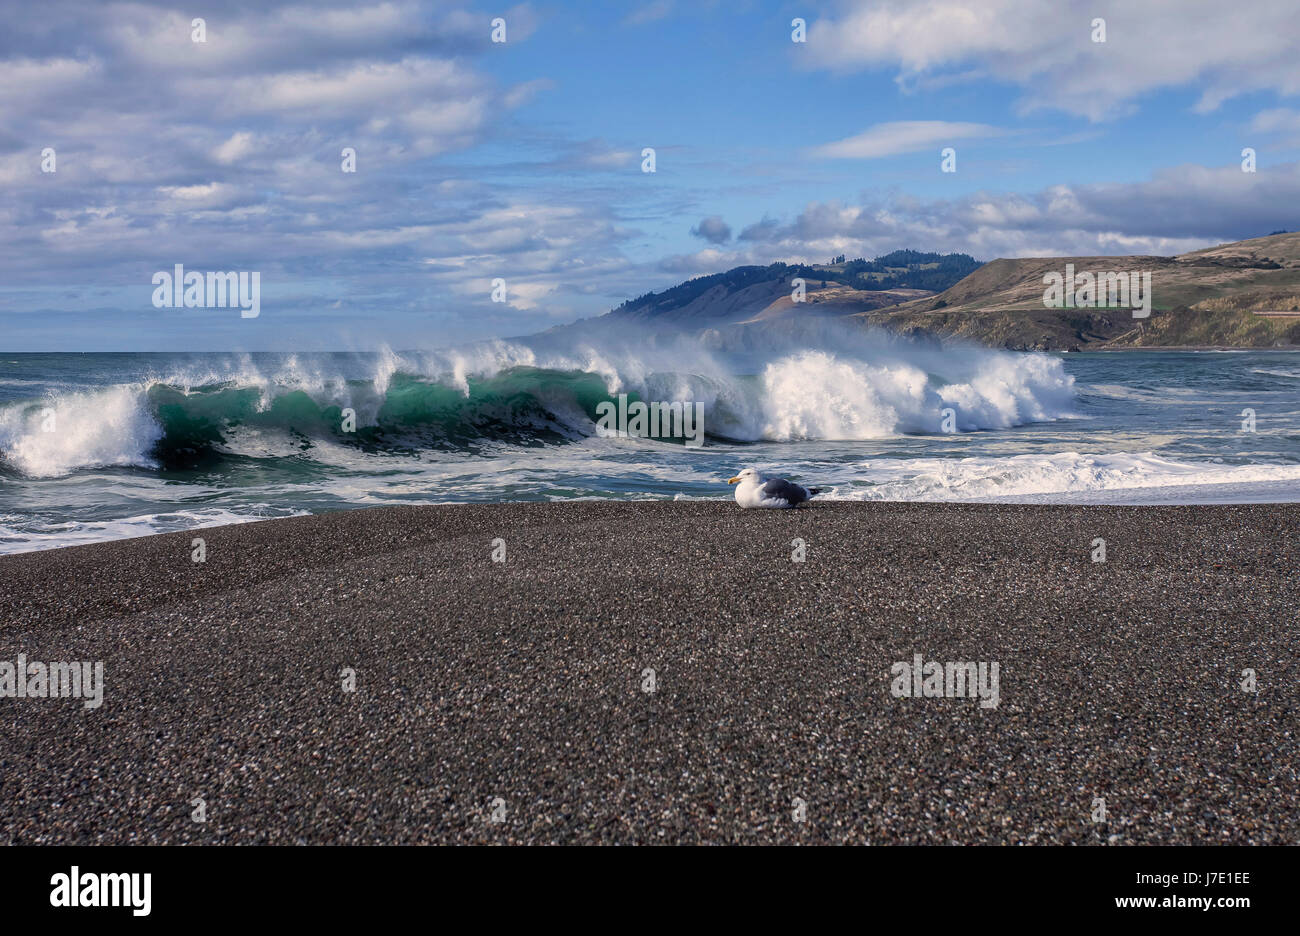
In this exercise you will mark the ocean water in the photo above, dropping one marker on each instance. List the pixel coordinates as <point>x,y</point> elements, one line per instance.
<point>103,446</point>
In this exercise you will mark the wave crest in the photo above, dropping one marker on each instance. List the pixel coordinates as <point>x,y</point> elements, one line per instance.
<point>513,393</point>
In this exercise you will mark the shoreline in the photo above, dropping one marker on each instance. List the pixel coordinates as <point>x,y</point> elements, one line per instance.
<point>1200,348</point>
<point>524,681</point>
<point>988,347</point>
<point>1220,494</point>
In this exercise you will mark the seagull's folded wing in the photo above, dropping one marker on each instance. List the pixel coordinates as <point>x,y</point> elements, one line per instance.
<point>784,490</point>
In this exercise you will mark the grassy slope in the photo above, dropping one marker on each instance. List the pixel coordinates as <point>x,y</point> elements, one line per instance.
<point>1207,297</point>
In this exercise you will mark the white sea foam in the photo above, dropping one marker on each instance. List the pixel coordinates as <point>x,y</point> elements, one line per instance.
<point>817,395</point>
<point>1066,476</point>
<point>17,536</point>
<point>66,431</point>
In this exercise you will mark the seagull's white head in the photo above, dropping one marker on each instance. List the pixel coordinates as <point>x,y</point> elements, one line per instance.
<point>748,476</point>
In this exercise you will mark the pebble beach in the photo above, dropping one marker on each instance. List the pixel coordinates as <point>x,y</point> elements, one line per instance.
<point>664,672</point>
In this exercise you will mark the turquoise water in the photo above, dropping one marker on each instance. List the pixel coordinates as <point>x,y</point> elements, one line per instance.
<point>100,446</point>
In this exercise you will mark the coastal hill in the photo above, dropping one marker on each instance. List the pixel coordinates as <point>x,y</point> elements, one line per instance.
<point>1243,294</point>
<point>759,293</point>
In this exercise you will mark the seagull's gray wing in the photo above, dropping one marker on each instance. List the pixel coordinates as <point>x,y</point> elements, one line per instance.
<point>784,490</point>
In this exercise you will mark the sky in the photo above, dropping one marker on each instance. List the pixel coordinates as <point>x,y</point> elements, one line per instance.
<point>518,164</point>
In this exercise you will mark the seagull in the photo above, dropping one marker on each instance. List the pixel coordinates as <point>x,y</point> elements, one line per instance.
<point>758,491</point>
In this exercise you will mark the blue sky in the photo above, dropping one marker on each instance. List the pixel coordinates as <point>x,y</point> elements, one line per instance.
<point>522,160</point>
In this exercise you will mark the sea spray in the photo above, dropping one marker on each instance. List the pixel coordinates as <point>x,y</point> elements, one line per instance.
<point>457,399</point>
<point>65,431</point>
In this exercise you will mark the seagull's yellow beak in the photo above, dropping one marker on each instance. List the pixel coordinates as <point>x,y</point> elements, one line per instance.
<point>733,480</point>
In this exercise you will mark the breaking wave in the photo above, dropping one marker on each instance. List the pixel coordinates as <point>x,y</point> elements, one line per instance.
<point>515,394</point>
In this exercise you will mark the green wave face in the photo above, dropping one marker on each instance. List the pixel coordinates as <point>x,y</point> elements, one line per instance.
<point>521,406</point>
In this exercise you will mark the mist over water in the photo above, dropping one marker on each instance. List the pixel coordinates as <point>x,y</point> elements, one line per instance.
<point>146,443</point>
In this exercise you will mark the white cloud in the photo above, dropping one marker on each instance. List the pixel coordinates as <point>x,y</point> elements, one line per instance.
<point>1178,209</point>
<point>31,82</point>
<point>350,89</point>
<point>902,136</point>
<point>1280,126</point>
<point>234,149</point>
<point>1277,120</point>
<point>650,12</point>
<point>1046,46</point>
<point>270,38</point>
